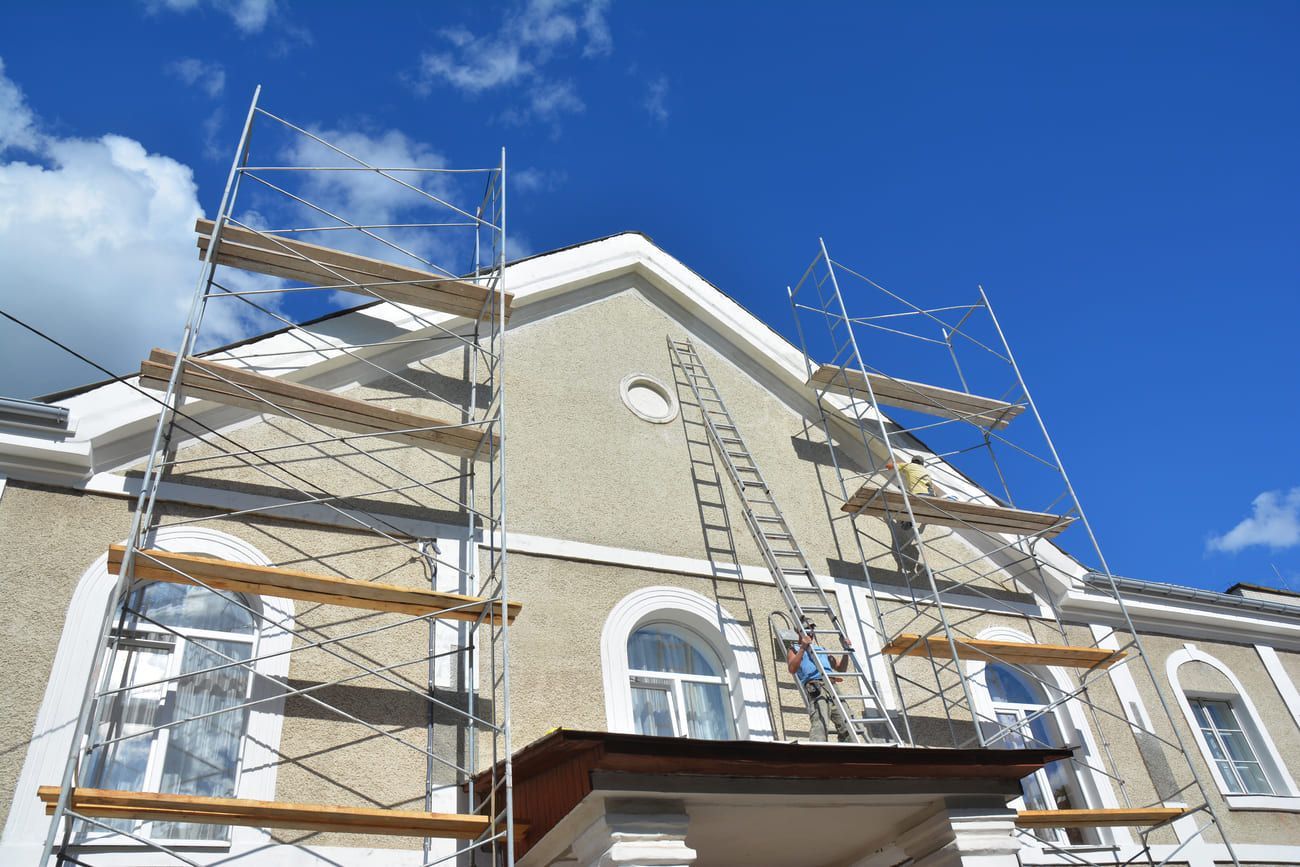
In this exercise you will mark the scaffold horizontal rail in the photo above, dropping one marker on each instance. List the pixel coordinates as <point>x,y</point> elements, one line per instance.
<point>269,394</point>
<point>886,502</point>
<point>1098,818</point>
<point>919,397</point>
<point>156,565</point>
<point>1015,653</point>
<point>326,266</point>
<point>154,806</point>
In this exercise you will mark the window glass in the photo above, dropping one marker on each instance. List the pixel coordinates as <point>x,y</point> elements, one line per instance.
<point>1007,684</point>
<point>652,708</point>
<point>173,720</point>
<point>1019,708</point>
<point>185,606</point>
<point>679,686</point>
<point>662,647</point>
<point>1230,746</point>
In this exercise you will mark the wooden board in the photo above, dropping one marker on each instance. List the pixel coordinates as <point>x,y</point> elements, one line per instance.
<point>152,806</point>
<point>1012,652</point>
<point>324,266</point>
<point>229,385</point>
<point>1100,818</point>
<point>917,396</point>
<point>155,565</point>
<point>887,502</point>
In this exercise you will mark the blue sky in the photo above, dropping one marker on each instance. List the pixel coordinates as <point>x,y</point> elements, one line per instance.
<point>1121,177</point>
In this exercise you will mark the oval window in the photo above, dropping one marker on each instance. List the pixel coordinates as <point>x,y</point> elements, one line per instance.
<point>648,398</point>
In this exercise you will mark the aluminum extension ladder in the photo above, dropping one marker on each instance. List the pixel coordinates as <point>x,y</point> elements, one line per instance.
<point>781,553</point>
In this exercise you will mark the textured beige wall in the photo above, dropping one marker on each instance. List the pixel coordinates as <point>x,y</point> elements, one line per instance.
<point>50,538</point>
<point>1244,826</point>
<point>582,467</point>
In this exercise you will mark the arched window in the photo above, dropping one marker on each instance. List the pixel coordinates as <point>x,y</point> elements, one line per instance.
<point>172,719</point>
<point>678,683</point>
<point>1243,760</point>
<point>1020,714</point>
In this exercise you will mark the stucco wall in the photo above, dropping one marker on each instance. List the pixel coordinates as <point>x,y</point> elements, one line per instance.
<point>1244,826</point>
<point>51,537</point>
<point>581,467</point>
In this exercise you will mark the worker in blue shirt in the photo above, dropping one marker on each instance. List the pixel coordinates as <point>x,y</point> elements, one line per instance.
<point>799,660</point>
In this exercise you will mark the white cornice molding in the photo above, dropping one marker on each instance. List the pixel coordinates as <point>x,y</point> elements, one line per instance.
<point>1185,620</point>
<point>112,424</point>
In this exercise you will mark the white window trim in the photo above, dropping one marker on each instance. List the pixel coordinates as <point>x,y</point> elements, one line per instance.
<point>1288,800</point>
<point>675,604</point>
<point>25,829</point>
<point>1096,786</point>
<point>856,603</point>
<point>645,380</point>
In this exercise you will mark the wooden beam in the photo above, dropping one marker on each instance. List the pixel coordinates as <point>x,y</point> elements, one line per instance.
<point>229,385</point>
<point>1099,818</point>
<point>887,502</point>
<point>917,396</point>
<point>1012,652</point>
<point>152,806</point>
<point>155,565</point>
<point>315,265</point>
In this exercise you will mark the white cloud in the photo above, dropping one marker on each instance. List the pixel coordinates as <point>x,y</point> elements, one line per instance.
<point>210,77</point>
<point>656,100</point>
<point>547,102</point>
<point>213,147</point>
<point>516,54</point>
<point>534,180</point>
<point>250,16</point>
<point>369,199</point>
<point>97,249</point>
<point>1274,522</point>
<point>17,123</point>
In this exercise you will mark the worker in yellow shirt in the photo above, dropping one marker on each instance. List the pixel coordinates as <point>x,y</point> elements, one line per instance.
<point>916,479</point>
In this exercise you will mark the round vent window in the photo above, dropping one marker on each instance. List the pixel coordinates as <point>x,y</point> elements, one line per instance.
<point>648,398</point>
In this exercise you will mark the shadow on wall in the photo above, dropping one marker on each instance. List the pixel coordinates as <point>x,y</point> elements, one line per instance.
<point>889,579</point>
<point>820,453</point>
<point>379,705</point>
<point>360,506</point>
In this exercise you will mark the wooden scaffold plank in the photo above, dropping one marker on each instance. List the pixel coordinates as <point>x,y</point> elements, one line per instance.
<point>885,502</point>
<point>229,385</point>
<point>315,265</point>
<point>917,396</point>
<point>156,565</point>
<point>1098,818</point>
<point>153,806</point>
<point>1015,653</point>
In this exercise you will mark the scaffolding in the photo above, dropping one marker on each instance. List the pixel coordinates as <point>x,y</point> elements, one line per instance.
<point>963,585</point>
<point>422,616</point>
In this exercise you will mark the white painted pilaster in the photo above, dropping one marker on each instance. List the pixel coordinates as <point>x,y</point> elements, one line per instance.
<point>1280,679</point>
<point>981,836</point>
<point>637,834</point>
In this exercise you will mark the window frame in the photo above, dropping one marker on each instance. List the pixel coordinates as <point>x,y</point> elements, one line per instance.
<point>175,640</point>
<point>675,679</point>
<point>1023,712</point>
<point>728,638</point>
<point>1071,722</point>
<point>1242,728</point>
<point>47,752</point>
<point>1285,795</point>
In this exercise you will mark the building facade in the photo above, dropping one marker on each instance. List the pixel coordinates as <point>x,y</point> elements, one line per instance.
<point>635,620</point>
